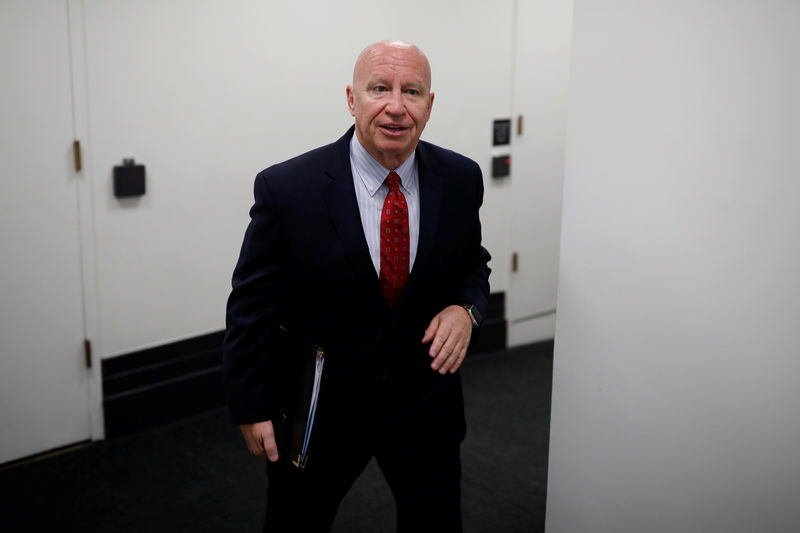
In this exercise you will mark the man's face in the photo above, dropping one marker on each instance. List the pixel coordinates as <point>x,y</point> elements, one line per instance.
<point>391,101</point>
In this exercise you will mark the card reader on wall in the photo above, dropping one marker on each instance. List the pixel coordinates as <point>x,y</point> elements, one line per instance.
<point>128,179</point>
<point>501,166</point>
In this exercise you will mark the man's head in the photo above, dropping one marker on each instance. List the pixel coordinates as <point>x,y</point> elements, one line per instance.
<point>391,100</point>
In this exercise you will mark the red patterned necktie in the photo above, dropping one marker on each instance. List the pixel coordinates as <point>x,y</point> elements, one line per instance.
<point>394,241</point>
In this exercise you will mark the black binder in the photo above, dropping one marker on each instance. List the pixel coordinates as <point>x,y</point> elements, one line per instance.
<point>304,363</point>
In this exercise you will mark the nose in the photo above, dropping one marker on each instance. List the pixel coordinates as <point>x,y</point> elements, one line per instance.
<point>395,105</point>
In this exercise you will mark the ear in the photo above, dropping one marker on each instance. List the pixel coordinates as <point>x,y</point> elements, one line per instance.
<point>430,106</point>
<point>351,100</point>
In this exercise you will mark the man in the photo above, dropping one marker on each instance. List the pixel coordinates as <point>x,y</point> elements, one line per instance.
<point>371,248</point>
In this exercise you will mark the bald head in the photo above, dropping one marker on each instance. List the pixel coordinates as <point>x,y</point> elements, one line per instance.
<point>390,48</point>
<point>391,100</point>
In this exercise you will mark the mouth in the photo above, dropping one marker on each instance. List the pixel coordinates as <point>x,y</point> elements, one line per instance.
<point>393,129</point>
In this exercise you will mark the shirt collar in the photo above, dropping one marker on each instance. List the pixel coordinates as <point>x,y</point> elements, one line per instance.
<point>372,173</point>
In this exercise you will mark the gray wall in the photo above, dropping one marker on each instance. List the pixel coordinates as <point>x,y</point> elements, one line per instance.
<point>675,397</point>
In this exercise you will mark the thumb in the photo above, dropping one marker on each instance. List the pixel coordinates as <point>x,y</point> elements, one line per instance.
<point>430,333</point>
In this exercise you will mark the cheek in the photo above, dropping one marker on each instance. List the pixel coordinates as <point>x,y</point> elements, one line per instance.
<point>373,111</point>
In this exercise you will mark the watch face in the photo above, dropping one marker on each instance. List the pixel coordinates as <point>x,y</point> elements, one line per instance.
<point>476,315</point>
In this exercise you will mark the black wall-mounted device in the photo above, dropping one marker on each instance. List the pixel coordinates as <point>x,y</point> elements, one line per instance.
<point>501,166</point>
<point>128,179</point>
<point>502,132</point>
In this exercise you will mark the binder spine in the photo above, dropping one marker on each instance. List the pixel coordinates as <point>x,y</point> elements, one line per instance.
<point>302,458</point>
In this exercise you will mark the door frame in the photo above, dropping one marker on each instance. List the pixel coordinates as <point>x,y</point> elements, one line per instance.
<point>86,222</point>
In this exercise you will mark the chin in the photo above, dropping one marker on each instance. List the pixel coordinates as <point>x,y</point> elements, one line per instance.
<point>394,145</point>
<point>393,148</point>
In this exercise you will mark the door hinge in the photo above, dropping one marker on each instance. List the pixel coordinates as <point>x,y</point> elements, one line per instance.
<point>519,125</point>
<point>514,262</point>
<point>87,352</point>
<point>76,154</point>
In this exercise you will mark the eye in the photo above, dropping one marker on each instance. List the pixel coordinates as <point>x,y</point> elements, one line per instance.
<point>413,92</point>
<point>380,89</point>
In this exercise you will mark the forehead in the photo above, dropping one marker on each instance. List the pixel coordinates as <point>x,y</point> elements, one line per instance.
<point>407,64</point>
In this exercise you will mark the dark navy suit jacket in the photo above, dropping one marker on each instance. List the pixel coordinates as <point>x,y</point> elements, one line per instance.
<point>305,265</point>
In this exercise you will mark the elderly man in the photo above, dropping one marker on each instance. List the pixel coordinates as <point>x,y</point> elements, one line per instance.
<point>370,250</point>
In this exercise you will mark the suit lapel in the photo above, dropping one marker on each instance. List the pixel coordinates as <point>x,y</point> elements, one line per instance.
<point>340,199</point>
<point>430,199</point>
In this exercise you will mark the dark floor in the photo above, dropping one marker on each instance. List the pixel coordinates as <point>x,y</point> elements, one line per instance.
<point>196,475</point>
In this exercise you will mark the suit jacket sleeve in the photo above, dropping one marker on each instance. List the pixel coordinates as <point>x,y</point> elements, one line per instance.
<point>252,323</point>
<point>475,284</point>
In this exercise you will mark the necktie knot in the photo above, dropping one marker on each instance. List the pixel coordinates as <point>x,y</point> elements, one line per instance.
<point>393,181</point>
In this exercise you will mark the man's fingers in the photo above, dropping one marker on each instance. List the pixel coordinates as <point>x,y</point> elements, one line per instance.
<point>267,441</point>
<point>260,439</point>
<point>256,448</point>
<point>440,350</point>
<point>450,358</point>
<point>445,341</point>
<point>437,344</point>
<point>452,354</point>
<point>271,449</point>
<point>249,439</point>
<point>449,334</point>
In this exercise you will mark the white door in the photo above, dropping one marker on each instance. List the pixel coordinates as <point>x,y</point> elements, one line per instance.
<point>542,63</point>
<point>43,380</point>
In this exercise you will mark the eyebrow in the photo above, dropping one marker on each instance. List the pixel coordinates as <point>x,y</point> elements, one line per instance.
<point>420,85</point>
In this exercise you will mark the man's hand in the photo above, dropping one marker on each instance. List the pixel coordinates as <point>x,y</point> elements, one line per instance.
<point>260,439</point>
<point>450,332</point>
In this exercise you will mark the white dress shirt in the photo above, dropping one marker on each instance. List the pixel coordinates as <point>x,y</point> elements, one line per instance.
<point>371,191</point>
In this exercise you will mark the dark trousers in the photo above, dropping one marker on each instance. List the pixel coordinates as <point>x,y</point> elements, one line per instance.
<point>419,458</point>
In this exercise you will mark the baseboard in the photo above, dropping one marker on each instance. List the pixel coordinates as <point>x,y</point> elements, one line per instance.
<point>166,383</point>
<point>493,333</point>
<point>534,330</point>
<point>162,384</point>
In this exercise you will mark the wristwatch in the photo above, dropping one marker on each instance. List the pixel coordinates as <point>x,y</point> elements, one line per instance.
<point>474,314</point>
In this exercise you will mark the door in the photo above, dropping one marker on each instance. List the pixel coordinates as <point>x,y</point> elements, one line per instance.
<point>44,384</point>
<point>542,64</point>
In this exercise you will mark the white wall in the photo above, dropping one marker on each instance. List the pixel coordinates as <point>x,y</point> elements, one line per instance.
<point>675,397</point>
<point>207,94</point>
